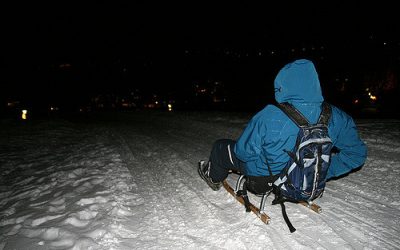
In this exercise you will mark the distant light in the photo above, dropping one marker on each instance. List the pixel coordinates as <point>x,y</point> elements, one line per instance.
<point>12,104</point>
<point>371,96</point>
<point>169,107</point>
<point>24,114</point>
<point>356,101</point>
<point>65,65</point>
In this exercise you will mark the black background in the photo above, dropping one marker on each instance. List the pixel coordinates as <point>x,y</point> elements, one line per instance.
<point>67,52</point>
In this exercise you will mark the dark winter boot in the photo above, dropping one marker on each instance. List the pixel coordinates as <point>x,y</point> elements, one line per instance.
<point>204,172</point>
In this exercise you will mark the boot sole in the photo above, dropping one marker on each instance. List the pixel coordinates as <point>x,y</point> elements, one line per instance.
<point>211,185</point>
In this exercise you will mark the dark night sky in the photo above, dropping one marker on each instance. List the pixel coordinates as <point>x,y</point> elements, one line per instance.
<point>112,46</point>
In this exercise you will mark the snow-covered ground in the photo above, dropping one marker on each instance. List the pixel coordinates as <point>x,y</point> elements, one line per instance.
<point>129,181</point>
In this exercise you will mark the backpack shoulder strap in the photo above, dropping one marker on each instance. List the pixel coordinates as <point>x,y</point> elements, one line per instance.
<point>300,120</point>
<point>326,111</point>
<point>295,115</point>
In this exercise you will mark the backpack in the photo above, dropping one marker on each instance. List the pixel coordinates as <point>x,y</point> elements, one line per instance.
<point>304,176</point>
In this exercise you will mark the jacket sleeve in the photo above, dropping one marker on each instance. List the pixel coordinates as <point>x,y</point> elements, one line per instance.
<point>352,151</point>
<point>248,147</point>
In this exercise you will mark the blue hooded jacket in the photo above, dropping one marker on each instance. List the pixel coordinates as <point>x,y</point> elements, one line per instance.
<point>270,131</point>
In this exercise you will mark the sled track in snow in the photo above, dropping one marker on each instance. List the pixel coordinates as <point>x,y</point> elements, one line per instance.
<point>162,153</point>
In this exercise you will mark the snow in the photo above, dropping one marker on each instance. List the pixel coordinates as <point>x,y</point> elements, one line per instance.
<point>129,181</point>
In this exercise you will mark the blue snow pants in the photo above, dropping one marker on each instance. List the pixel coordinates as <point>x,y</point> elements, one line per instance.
<point>223,160</point>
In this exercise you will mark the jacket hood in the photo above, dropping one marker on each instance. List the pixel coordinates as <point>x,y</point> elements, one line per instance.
<point>297,82</point>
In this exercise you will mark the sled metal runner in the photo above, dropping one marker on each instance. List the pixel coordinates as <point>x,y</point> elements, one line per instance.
<point>314,207</point>
<point>260,212</point>
<point>263,217</point>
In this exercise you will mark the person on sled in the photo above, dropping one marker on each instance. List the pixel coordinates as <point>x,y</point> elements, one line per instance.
<point>260,153</point>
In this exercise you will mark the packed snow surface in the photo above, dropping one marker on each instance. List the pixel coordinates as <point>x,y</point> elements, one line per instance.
<point>129,181</point>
